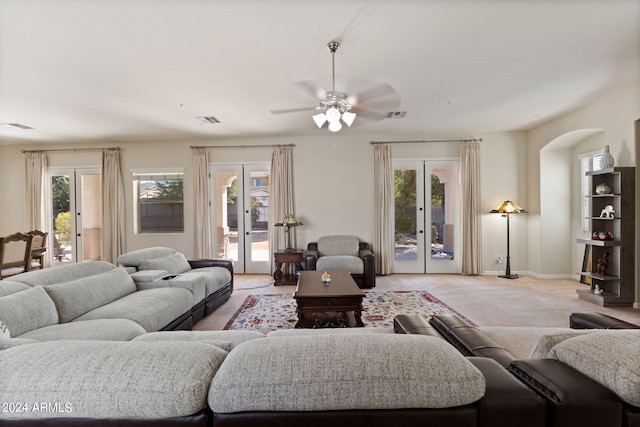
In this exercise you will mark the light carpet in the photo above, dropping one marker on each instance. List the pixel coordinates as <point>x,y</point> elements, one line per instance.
<point>265,313</point>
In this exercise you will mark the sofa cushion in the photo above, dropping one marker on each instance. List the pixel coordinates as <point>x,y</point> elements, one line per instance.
<point>352,264</point>
<point>98,329</point>
<point>8,287</point>
<point>220,338</point>
<point>342,372</point>
<point>27,310</point>
<point>214,278</point>
<point>77,297</point>
<point>549,340</point>
<point>63,273</point>
<point>174,264</point>
<point>6,343</point>
<point>609,357</point>
<point>338,245</point>
<point>134,258</point>
<point>153,309</point>
<point>118,380</point>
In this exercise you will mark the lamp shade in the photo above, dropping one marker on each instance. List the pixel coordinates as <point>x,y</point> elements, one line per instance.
<point>348,117</point>
<point>508,207</point>
<point>320,119</point>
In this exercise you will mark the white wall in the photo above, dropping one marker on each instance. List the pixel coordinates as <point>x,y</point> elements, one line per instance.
<point>614,115</point>
<point>333,182</point>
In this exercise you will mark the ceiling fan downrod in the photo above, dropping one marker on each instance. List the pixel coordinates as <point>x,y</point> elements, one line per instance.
<point>333,46</point>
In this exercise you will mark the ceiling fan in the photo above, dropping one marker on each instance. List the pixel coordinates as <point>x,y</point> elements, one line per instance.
<point>336,107</point>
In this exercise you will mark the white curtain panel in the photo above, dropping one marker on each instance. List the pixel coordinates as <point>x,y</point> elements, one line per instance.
<point>36,185</point>
<point>202,238</point>
<point>471,208</point>
<point>280,196</point>
<point>383,209</point>
<point>113,232</point>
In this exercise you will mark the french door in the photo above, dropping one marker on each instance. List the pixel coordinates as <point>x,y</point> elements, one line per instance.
<point>241,215</point>
<point>426,216</point>
<point>76,207</point>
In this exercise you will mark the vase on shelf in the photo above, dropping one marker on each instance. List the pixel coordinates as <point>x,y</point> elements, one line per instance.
<point>607,158</point>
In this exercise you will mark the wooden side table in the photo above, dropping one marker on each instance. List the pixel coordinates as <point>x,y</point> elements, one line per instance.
<point>293,261</point>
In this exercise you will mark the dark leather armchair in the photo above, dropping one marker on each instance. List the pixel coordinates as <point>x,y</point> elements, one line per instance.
<point>346,253</point>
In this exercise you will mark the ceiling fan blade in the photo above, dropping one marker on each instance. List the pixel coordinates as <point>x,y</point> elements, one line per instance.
<point>381,90</point>
<point>313,88</point>
<point>292,110</point>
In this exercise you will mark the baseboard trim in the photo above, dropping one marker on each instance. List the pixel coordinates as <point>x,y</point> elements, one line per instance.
<point>530,273</point>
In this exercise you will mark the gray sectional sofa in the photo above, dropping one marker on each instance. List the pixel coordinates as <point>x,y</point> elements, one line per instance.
<point>92,300</point>
<point>209,280</point>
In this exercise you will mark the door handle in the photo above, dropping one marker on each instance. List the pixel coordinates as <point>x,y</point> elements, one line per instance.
<point>421,231</point>
<point>247,233</point>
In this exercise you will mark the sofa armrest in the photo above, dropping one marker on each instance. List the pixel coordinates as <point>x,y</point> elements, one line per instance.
<point>469,340</point>
<point>574,398</point>
<point>598,321</point>
<point>310,256</point>
<point>507,400</point>
<point>217,262</point>
<point>414,324</point>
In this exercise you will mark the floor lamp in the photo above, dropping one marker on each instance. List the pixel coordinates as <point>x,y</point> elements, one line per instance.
<point>506,209</point>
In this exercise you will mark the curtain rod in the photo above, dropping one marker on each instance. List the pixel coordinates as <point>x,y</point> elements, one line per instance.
<point>72,150</point>
<point>422,141</point>
<point>193,147</point>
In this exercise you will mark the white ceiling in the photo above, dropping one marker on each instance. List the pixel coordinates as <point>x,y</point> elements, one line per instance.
<point>125,70</point>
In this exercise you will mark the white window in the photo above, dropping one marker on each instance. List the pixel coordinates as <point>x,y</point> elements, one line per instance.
<point>158,201</point>
<point>588,162</point>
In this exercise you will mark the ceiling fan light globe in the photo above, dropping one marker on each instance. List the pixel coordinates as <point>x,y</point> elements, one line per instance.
<point>335,126</point>
<point>320,119</point>
<point>348,118</point>
<point>333,115</point>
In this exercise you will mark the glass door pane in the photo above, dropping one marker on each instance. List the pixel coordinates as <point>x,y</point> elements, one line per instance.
<point>443,215</point>
<point>256,210</point>
<point>408,217</point>
<point>89,216</point>
<point>61,225</point>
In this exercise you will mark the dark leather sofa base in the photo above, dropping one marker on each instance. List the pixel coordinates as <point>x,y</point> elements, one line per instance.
<point>575,399</point>
<point>200,419</point>
<point>182,323</point>
<point>463,416</point>
<point>598,321</point>
<point>218,298</point>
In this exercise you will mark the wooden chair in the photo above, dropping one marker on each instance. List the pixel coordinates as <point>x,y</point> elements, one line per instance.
<point>15,254</point>
<point>38,249</point>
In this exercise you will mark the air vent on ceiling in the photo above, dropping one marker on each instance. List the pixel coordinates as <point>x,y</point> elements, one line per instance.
<point>396,114</point>
<point>17,125</point>
<point>209,120</point>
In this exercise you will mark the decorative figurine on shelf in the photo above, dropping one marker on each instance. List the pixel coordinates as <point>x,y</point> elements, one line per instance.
<point>603,189</point>
<point>602,235</point>
<point>603,263</point>
<point>326,278</point>
<point>597,290</point>
<point>607,212</point>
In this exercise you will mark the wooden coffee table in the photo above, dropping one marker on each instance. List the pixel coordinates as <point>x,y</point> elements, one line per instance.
<point>337,304</point>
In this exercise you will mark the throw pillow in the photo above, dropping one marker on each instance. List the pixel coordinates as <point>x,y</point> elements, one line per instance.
<point>27,310</point>
<point>608,357</point>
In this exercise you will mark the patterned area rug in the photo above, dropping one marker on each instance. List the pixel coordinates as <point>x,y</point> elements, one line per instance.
<point>266,313</point>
